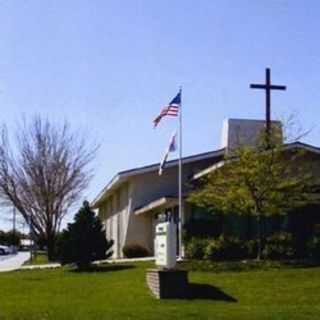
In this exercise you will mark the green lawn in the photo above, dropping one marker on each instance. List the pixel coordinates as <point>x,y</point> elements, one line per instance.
<point>39,258</point>
<point>121,293</point>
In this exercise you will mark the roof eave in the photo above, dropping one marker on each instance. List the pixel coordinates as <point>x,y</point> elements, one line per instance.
<point>288,146</point>
<point>106,190</point>
<point>123,175</point>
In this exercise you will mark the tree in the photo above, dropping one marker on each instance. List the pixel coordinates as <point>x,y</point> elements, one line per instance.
<point>11,238</point>
<point>43,174</point>
<point>260,181</point>
<point>84,241</point>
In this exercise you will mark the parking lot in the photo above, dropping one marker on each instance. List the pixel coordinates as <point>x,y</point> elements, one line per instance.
<point>6,257</point>
<point>13,261</point>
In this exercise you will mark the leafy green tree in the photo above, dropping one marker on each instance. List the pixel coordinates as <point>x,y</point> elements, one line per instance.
<point>84,240</point>
<point>260,181</point>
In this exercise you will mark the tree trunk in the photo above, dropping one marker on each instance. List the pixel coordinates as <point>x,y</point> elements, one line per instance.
<point>259,251</point>
<point>51,242</point>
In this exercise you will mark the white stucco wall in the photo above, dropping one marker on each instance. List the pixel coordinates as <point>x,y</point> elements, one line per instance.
<point>149,187</point>
<point>114,212</point>
<point>117,211</point>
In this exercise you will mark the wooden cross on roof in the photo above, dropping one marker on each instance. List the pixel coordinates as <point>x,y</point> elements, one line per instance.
<point>268,87</point>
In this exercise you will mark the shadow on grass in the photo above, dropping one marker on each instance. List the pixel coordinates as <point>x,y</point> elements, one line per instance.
<point>104,268</point>
<point>208,292</point>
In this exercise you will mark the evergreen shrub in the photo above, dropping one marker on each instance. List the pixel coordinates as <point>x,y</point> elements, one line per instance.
<point>84,240</point>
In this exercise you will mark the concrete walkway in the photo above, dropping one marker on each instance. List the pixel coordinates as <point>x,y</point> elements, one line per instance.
<point>13,262</point>
<point>125,260</point>
<point>41,266</point>
<point>57,265</point>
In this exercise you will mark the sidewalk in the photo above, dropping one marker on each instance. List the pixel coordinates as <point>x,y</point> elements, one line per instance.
<point>125,260</point>
<point>14,262</point>
<point>41,266</point>
<point>57,265</point>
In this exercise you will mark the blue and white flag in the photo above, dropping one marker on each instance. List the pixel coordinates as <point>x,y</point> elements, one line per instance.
<point>171,148</point>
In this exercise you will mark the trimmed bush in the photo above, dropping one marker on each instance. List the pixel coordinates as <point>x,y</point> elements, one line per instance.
<point>279,246</point>
<point>195,248</point>
<point>314,248</point>
<point>135,250</point>
<point>225,248</point>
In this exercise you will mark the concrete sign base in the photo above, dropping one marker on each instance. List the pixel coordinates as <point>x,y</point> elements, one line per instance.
<point>166,284</point>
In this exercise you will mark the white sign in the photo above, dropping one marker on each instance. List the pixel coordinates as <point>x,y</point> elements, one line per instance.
<point>166,245</point>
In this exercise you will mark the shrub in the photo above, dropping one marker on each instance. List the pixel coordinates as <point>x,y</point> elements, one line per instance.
<point>84,241</point>
<point>314,248</point>
<point>195,248</point>
<point>251,248</point>
<point>279,246</point>
<point>135,250</point>
<point>225,248</point>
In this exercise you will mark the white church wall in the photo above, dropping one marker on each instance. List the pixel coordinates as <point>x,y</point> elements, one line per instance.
<point>148,187</point>
<point>138,229</point>
<point>114,213</point>
<point>122,225</point>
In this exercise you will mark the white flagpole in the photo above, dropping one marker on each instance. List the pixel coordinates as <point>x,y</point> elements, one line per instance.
<point>181,220</point>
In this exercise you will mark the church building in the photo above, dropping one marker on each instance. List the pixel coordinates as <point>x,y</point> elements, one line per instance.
<point>131,202</point>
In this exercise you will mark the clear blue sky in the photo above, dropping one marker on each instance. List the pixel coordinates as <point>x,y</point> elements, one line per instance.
<point>109,66</point>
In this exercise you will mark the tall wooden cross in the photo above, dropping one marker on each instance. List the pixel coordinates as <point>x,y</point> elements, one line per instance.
<point>268,87</point>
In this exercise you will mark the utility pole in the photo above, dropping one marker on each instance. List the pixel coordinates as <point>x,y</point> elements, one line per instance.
<point>14,220</point>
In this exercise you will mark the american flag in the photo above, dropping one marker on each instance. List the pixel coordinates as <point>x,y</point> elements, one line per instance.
<point>172,109</point>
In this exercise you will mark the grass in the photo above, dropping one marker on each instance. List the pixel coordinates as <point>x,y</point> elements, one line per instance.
<point>119,292</point>
<point>245,265</point>
<point>39,258</point>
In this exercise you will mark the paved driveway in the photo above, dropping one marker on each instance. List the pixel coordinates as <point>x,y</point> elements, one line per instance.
<point>14,261</point>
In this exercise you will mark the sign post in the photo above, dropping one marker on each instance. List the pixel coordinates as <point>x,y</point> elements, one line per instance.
<point>166,281</point>
<point>166,244</point>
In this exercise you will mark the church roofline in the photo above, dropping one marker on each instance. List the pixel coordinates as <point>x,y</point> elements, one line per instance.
<point>174,162</point>
<point>121,176</point>
<point>288,146</point>
<point>247,119</point>
<point>306,146</point>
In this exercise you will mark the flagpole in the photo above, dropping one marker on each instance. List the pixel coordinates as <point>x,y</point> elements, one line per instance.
<point>181,220</point>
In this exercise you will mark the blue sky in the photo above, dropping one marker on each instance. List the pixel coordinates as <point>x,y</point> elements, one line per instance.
<point>109,66</point>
